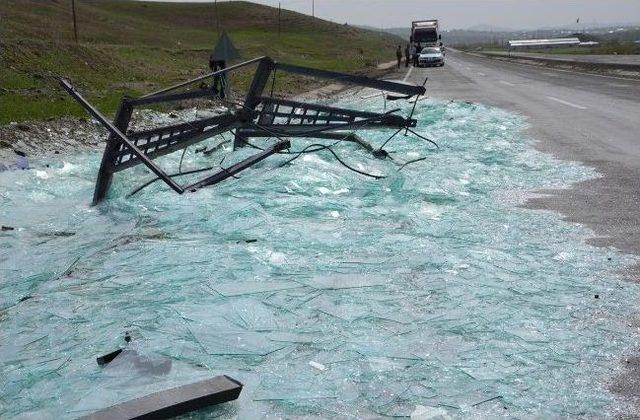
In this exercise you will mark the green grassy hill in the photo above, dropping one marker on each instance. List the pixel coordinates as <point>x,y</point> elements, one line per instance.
<point>130,47</point>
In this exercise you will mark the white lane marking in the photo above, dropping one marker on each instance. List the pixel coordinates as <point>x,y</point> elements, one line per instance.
<point>567,103</point>
<point>481,74</point>
<point>408,74</point>
<point>589,74</point>
<point>504,82</point>
<point>557,70</point>
<point>618,85</point>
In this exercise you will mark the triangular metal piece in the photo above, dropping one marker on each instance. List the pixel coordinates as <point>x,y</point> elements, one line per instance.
<point>224,49</point>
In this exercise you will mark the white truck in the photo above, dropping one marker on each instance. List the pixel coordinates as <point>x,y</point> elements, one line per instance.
<point>425,33</point>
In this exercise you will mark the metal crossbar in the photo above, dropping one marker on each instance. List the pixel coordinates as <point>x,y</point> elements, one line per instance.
<point>283,112</point>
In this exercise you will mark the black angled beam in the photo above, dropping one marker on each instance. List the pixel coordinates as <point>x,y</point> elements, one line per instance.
<point>119,136</point>
<point>240,166</point>
<point>206,76</point>
<point>192,94</point>
<point>107,165</point>
<point>252,100</point>
<point>403,88</point>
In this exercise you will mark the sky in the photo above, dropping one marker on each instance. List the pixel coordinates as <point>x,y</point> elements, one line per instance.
<point>462,14</point>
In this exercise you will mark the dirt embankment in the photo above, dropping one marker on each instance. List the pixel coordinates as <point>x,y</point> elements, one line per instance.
<point>70,134</point>
<point>57,136</point>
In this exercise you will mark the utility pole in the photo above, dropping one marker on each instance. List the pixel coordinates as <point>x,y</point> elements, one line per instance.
<point>313,8</point>
<point>75,22</point>
<point>279,18</point>
<point>217,17</point>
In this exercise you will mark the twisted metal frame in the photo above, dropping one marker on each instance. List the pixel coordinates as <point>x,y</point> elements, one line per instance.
<point>257,116</point>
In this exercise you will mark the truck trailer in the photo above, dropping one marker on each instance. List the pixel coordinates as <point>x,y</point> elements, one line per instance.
<point>425,32</point>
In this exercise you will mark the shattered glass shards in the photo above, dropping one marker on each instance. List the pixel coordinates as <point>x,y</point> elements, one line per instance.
<point>327,294</point>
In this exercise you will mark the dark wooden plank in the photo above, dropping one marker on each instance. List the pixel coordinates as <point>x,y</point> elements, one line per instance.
<point>174,402</point>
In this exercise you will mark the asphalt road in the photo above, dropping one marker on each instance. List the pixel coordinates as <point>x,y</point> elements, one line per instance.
<point>582,117</point>
<point>583,58</point>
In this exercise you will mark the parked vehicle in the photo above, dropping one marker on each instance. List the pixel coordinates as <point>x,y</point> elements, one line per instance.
<point>431,56</point>
<point>425,32</point>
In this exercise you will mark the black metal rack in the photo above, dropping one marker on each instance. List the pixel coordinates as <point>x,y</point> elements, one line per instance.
<point>257,116</point>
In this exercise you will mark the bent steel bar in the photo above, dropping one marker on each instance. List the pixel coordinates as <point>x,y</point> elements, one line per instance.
<point>206,76</point>
<point>194,94</point>
<point>240,166</point>
<point>341,136</point>
<point>294,131</point>
<point>397,87</point>
<point>120,136</point>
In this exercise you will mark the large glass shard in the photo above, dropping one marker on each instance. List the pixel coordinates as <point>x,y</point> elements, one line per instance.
<point>345,281</point>
<point>252,287</point>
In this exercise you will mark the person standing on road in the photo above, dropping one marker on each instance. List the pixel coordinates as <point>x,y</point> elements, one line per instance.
<point>412,52</point>
<point>399,55</point>
<point>415,56</point>
<point>407,54</point>
<point>219,81</point>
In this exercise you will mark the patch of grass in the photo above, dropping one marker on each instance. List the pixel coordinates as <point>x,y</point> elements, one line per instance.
<point>14,106</point>
<point>130,47</point>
